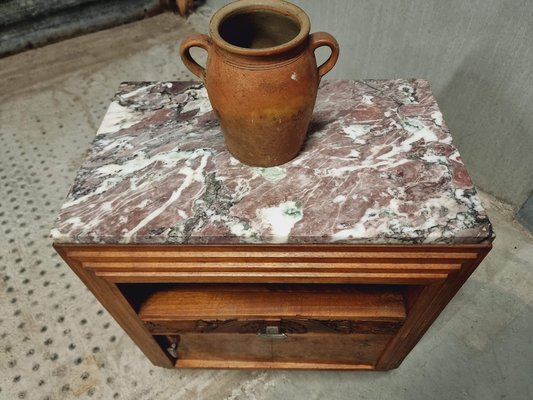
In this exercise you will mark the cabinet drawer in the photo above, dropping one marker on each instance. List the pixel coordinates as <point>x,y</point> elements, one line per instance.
<point>231,325</point>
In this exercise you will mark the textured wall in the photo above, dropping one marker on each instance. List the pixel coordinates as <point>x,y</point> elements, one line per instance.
<point>26,24</point>
<point>477,54</point>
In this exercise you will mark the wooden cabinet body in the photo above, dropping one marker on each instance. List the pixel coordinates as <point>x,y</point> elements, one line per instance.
<point>302,307</point>
<point>339,259</point>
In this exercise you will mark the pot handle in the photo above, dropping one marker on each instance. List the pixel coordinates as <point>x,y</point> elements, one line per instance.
<point>202,41</point>
<point>319,39</point>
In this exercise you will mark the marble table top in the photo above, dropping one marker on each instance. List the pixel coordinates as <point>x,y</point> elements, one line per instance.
<point>378,166</point>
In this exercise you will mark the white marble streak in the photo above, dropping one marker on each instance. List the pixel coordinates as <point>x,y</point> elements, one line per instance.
<point>191,175</point>
<point>118,118</point>
<point>281,219</point>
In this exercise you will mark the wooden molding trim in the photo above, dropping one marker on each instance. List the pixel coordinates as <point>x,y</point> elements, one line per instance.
<point>414,264</point>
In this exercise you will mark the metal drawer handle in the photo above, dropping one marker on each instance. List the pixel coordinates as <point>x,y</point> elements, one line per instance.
<point>272,333</point>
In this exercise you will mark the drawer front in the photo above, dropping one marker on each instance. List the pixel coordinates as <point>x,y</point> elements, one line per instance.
<point>287,326</point>
<point>226,349</point>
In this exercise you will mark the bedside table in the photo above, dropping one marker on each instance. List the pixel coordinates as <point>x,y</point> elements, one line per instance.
<point>339,259</point>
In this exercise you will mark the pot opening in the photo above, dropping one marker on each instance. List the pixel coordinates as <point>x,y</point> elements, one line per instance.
<point>258,29</point>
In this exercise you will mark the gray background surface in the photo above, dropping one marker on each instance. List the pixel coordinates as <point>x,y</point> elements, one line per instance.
<point>478,56</point>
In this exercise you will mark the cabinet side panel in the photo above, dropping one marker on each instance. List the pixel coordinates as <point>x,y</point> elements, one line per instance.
<point>113,301</point>
<point>426,308</point>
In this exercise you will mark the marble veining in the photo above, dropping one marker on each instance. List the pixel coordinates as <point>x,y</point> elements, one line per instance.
<point>378,166</point>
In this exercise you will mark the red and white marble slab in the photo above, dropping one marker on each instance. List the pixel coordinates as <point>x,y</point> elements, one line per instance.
<point>378,167</point>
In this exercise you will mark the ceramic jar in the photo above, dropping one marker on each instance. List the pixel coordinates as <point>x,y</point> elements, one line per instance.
<point>261,77</point>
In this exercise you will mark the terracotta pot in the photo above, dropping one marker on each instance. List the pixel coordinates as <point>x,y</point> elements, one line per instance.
<point>261,77</point>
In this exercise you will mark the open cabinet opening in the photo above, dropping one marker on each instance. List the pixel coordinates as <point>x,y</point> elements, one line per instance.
<point>271,323</point>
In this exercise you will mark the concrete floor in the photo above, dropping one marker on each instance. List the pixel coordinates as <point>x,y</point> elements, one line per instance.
<point>56,341</point>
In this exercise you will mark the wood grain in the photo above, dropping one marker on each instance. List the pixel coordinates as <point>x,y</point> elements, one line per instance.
<point>237,364</point>
<point>204,349</point>
<point>253,302</point>
<point>428,305</point>
<point>217,297</point>
<point>413,264</point>
<point>113,301</point>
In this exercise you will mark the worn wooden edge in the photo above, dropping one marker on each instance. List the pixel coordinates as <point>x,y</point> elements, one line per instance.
<point>290,252</point>
<point>227,272</point>
<point>286,266</point>
<point>270,277</point>
<point>208,255</point>
<point>235,364</point>
<point>155,319</point>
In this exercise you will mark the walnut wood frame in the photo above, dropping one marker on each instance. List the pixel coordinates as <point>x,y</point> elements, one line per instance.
<point>434,274</point>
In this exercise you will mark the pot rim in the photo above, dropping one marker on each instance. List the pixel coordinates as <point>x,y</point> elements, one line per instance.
<point>280,7</point>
